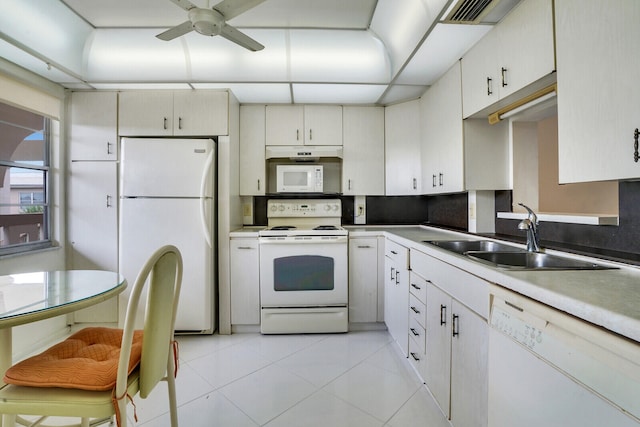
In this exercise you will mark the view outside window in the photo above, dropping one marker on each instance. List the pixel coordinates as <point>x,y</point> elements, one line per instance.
<point>24,166</point>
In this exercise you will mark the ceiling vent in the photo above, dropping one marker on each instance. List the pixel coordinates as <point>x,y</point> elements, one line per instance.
<point>479,11</point>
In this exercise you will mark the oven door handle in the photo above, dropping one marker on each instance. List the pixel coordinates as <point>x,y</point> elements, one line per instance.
<point>302,240</point>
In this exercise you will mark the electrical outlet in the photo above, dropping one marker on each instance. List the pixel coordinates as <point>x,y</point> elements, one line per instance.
<point>360,210</point>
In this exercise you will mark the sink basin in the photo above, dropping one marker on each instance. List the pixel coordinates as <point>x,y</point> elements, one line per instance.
<point>534,261</point>
<point>464,246</point>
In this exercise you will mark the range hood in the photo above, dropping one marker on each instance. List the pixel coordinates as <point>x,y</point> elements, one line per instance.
<point>302,153</point>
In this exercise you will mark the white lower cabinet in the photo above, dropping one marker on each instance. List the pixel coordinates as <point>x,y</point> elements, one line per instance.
<point>457,336</point>
<point>363,279</point>
<point>245,281</point>
<point>417,323</point>
<point>396,293</point>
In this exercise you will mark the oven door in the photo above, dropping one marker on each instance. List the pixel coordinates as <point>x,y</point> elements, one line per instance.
<point>303,271</point>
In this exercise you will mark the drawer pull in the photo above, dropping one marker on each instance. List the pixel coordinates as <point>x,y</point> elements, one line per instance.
<point>394,252</point>
<point>414,332</point>
<point>364,247</point>
<point>415,357</point>
<point>415,310</point>
<point>413,285</point>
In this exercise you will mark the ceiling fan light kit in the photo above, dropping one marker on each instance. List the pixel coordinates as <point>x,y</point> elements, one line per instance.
<point>212,22</point>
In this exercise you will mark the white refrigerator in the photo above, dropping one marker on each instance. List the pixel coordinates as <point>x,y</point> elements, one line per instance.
<point>167,193</point>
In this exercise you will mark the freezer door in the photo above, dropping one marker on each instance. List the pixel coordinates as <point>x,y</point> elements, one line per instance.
<point>147,224</point>
<point>157,167</point>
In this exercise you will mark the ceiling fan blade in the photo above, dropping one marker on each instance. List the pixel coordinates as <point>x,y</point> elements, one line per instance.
<point>232,8</point>
<point>232,34</point>
<point>176,31</point>
<point>185,4</point>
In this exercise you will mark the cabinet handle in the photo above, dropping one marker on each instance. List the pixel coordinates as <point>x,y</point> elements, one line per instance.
<point>364,247</point>
<point>297,134</point>
<point>397,276</point>
<point>503,73</point>
<point>245,247</point>
<point>414,332</point>
<point>394,252</point>
<point>258,185</point>
<point>413,285</point>
<point>164,123</point>
<point>180,123</point>
<point>392,275</point>
<point>415,184</point>
<point>415,310</point>
<point>416,358</point>
<point>441,179</point>
<point>433,180</point>
<point>310,134</point>
<point>454,329</point>
<point>636,135</point>
<point>109,147</point>
<point>349,184</point>
<point>489,86</point>
<point>108,201</point>
<point>443,314</point>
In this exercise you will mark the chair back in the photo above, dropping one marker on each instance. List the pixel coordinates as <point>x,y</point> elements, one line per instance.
<point>164,273</point>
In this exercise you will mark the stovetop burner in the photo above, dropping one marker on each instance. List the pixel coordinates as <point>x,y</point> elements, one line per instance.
<point>283,227</point>
<point>326,227</point>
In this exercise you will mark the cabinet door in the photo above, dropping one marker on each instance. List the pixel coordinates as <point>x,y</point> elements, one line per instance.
<point>200,113</point>
<point>94,126</point>
<point>363,151</point>
<point>442,135</point>
<point>252,143</point>
<point>245,281</point>
<point>396,303</point>
<point>438,371</point>
<point>402,149</point>
<point>480,85</point>
<point>597,47</point>
<point>285,125</point>
<point>469,368</point>
<point>323,125</point>
<point>363,279</point>
<point>526,45</point>
<point>147,113</point>
<point>92,227</point>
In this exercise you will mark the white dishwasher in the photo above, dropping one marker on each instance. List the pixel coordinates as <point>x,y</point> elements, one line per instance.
<point>547,368</point>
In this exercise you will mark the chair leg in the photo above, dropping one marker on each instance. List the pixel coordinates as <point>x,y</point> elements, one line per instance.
<point>8,420</point>
<point>173,406</point>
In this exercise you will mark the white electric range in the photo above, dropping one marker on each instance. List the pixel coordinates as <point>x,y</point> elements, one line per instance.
<point>304,267</point>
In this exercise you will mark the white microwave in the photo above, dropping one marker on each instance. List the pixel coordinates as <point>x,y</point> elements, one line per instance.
<point>299,178</point>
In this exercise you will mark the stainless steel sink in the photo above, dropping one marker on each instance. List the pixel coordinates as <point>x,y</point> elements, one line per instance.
<point>464,246</point>
<point>534,261</point>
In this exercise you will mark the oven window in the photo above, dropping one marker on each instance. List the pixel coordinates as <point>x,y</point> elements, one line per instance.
<point>303,273</point>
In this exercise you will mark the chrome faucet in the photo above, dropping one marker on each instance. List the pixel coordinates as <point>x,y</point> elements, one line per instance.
<point>530,224</point>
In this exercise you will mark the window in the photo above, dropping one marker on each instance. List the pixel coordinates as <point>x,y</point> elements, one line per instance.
<point>24,176</point>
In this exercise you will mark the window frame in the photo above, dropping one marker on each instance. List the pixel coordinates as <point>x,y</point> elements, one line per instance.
<point>46,242</point>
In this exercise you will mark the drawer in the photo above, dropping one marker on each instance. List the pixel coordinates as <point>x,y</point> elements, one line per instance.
<point>418,287</point>
<point>418,359</point>
<point>417,334</point>
<point>398,253</point>
<point>417,310</point>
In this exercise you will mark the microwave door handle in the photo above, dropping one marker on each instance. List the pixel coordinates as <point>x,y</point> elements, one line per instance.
<point>206,229</point>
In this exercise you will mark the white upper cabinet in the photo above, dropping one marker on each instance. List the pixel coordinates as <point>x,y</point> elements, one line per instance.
<point>516,53</point>
<point>168,113</point>
<point>598,89</point>
<point>363,151</point>
<point>402,149</point>
<point>252,155</point>
<point>442,144</point>
<point>94,126</point>
<point>304,125</point>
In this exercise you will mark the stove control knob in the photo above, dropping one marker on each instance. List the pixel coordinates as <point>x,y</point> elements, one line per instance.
<point>281,208</point>
<point>335,207</point>
<point>273,208</point>
<point>327,207</point>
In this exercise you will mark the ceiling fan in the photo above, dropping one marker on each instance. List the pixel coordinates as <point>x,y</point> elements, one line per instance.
<point>212,22</point>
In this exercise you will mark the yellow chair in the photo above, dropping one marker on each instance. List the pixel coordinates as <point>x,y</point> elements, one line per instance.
<point>157,358</point>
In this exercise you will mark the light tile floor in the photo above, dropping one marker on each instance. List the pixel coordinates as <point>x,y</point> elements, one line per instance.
<point>358,379</point>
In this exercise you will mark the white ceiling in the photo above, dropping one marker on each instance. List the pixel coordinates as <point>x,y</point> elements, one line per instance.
<point>322,51</point>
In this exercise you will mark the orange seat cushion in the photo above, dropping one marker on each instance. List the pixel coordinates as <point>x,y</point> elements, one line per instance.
<point>87,360</point>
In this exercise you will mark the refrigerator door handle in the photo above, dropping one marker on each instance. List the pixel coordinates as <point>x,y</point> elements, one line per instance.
<point>203,198</point>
